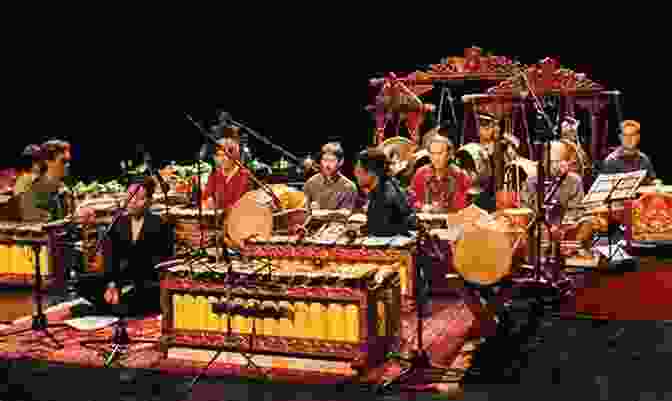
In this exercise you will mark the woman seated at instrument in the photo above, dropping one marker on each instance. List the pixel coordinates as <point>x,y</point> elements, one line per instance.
<point>136,244</point>
<point>228,182</point>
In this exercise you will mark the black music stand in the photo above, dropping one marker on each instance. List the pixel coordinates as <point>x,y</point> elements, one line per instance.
<point>40,322</point>
<point>421,371</point>
<point>619,187</point>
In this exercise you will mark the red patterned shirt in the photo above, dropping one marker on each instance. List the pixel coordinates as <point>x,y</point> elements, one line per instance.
<point>446,194</point>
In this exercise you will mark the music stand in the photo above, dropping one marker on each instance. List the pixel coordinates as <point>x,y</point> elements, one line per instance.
<point>40,322</point>
<point>610,188</point>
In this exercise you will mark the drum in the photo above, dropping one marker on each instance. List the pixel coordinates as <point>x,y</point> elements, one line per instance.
<point>292,210</point>
<point>475,160</point>
<point>250,217</point>
<point>483,265</point>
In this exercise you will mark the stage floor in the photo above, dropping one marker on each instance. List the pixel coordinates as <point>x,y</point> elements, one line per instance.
<point>612,359</point>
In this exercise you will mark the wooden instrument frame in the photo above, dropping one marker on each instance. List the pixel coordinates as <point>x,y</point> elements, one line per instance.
<point>368,352</point>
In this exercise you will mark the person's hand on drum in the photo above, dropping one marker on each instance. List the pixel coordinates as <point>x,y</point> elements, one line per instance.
<point>112,296</point>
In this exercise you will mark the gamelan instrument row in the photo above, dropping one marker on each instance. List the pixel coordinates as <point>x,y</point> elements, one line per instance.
<point>347,313</point>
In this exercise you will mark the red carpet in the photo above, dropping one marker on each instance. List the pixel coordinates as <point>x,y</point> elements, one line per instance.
<point>445,334</point>
<point>642,295</point>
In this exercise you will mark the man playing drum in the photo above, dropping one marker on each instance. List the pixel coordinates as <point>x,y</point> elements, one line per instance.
<point>227,183</point>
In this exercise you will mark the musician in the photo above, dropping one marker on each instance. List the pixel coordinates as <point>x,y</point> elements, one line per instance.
<point>440,187</point>
<point>388,212</point>
<point>569,131</point>
<point>227,183</point>
<point>628,158</point>
<point>46,200</point>
<point>29,169</point>
<point>137,243</point>
<point>565,202</point>
<point>322,190</point>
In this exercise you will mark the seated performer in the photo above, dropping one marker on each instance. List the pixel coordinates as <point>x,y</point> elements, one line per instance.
<point>565,201</point>
<point>569,131</point>
<point>137,243</point>
<point>628,158</point>
<point>227,183</point>
<point>46,199</point>
<point>322,190</point>
<point>489,134</point>
<point>388,212</point>
<point>440,187</point>
<point>29,170</point>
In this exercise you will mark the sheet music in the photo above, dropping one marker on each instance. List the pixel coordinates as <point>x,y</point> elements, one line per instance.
<point>604,184</point>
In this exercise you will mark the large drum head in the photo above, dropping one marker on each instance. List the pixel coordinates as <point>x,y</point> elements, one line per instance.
<point>250,217</point>
<point>483,256</point>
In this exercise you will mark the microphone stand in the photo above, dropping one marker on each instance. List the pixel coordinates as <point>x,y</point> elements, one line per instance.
<point>421,368</point>
<point>40,322</point>
<point>226,119</point>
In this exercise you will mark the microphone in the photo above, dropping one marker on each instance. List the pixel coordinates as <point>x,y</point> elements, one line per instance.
<point>203,151</point>
<point>612,93</point>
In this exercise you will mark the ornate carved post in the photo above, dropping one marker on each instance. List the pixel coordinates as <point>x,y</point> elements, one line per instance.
<point>470,124</point>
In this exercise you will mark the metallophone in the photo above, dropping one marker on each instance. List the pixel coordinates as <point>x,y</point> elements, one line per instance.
<point>306,314</point>
<point>17,256</point>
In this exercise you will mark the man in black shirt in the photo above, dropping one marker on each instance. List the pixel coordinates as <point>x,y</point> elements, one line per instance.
<point>388,211</point>
<point>136,244</point>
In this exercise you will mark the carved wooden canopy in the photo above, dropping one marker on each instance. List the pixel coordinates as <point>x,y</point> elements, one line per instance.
<point>473,66</point>
<point>547,78</point>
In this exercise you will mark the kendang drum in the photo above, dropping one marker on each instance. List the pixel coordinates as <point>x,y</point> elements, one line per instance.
<point>484,255</point>
<point>292,211</point>
<point>250,218</point>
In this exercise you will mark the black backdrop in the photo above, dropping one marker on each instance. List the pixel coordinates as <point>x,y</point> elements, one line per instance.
<point>108,101</point>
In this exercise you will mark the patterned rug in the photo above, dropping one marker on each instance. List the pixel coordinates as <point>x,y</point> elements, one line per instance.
<point>445,332</point>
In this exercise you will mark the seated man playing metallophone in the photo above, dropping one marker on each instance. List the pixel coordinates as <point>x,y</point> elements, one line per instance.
<point>46,200</point>
<point>388,212</point>
<point>628,158</point>
<point>325,190</point>
<point>137,243</point>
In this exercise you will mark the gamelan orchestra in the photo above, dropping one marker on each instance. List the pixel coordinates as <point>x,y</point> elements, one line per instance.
<point>326,267</point>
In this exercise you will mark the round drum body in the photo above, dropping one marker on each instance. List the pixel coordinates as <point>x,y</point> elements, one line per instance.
<point>483,264</point>
<point>250,217</point>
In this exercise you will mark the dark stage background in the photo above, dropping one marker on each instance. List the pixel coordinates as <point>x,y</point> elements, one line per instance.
<point>297,93</point>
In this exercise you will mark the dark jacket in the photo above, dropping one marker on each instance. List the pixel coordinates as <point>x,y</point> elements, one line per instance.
<point>129,262</point>
<point>389,213</point>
